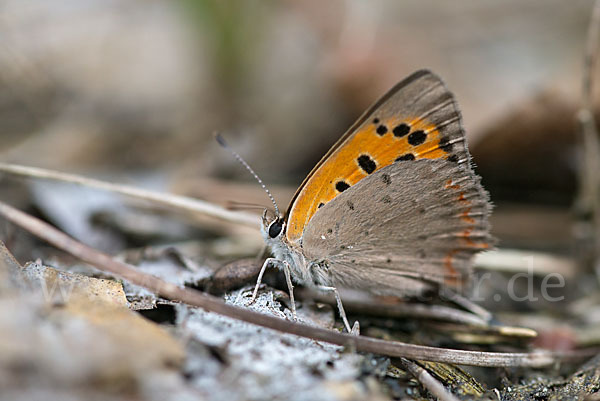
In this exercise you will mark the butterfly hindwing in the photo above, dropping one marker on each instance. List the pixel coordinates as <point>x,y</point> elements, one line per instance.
<point>417,119</point>
<point>412,223</point>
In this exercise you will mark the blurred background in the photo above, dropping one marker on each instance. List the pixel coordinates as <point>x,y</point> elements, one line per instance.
<point>131,91</point>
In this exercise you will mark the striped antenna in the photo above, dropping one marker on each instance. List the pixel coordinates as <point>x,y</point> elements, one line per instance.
<point>224,144</point>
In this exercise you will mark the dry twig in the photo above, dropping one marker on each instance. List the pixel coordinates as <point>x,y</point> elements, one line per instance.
<point>589,179</point>
<point>515,261</point>
<point>184,203</point>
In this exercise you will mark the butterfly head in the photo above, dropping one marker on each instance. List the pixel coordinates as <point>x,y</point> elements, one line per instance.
<point>273,225</point>
<point>273,231</point>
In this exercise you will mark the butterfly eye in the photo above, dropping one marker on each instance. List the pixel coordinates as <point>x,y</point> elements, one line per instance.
<point>275,228</point>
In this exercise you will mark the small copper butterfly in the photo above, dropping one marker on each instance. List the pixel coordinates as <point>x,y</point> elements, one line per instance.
<point>393,207</point>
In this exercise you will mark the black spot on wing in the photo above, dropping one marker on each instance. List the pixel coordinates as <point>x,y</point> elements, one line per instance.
<point>387,180</point>
<point>417,138</point>
<point>367,164</point>
<point>401,130</point>
<point>341,186</point>
<point>453,158</point>
<point>445,144</point>
<point>408,156</point>
<point>381,130</point>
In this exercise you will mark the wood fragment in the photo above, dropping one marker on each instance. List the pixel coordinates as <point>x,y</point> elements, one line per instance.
<point>436,388</point>
<point>454,378</point>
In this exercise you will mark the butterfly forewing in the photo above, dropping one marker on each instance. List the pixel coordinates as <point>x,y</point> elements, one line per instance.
<point>417,119</point>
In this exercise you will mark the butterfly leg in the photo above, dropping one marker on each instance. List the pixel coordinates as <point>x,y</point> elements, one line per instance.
<point>355,329</point>
<point>268,261</point>
<point>288,279</point>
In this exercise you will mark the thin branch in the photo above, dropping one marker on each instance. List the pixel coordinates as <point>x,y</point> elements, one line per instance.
<point>467,304</point>
<point>184,203</point>
<point>195,298</point>
<point>589,178</point>
<point>436,388</point>
<point>516,261</point>
<point>591,49</point>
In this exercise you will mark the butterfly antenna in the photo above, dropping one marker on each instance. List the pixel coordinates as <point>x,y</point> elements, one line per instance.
<point>224,144</point>
<point>235,205</point>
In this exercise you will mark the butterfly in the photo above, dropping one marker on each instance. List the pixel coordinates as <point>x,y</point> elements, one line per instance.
<point>393,208</point>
